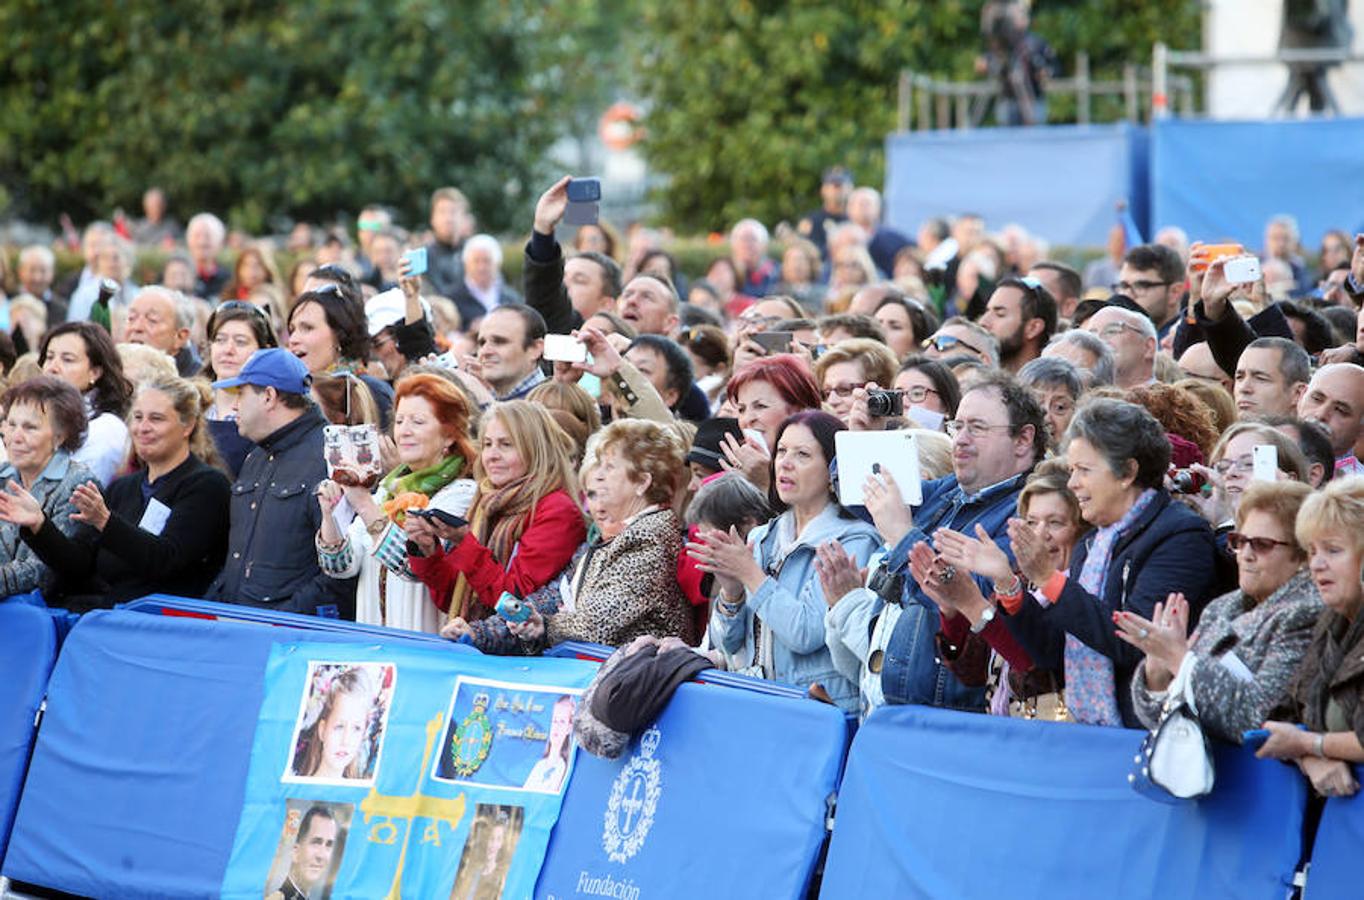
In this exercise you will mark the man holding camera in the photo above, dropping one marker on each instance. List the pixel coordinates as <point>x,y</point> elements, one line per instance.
<point>998,436</point>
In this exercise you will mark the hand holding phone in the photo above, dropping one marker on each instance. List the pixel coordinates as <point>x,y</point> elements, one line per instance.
<point>511,608</point>
<point>773,341</point>
<point>584,190</point>
<point>584,199</point>
<point>439,515</point>
<point>1241,270</point>
<point>416,262</point>
<point>564,348</point>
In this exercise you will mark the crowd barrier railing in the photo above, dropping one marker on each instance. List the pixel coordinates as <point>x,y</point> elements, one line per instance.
<point>28,650</point>
<point>1334,873</point>
<point>135,783</point>
<point>190,608</point>
<point>139,771</point>
<point>942,804</point>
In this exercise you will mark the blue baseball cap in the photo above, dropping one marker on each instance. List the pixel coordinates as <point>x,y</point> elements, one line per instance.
<point>274,367</point>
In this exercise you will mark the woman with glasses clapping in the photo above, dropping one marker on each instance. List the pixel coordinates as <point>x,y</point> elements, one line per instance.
<point>1251,640</point>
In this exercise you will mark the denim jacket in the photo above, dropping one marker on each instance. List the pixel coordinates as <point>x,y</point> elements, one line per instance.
<point>911,671</point>
<point>790,602</point>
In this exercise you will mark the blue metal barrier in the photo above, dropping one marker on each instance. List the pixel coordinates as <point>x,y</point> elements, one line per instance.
<point>1334,874</point>
<point>189,608</point>
<point>944,804</point>
<point>28,649</point>
<point>725,796</point>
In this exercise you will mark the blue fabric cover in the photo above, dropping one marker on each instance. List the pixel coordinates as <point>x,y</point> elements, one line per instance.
<point>742,784</point>
<point>1226,179</point>
<point>1335,856</point>
<point>1059,182</point>
<point>28,647</point>
<point>943,804</point>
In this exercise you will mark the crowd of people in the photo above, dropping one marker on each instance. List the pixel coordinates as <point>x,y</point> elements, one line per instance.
<point>1144,472</point>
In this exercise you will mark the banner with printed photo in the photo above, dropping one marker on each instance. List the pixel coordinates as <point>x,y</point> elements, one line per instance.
<point>391,772</point>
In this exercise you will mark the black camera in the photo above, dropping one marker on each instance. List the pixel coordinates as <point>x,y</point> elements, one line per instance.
<point>883,404</point>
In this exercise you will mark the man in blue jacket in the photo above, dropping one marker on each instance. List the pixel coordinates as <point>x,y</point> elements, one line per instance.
<point>271,558</point>
<point>997,437</point>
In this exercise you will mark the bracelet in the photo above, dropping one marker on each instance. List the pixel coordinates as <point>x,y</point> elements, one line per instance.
<point>1320,748</point>
<point>334,547</point>
<point>1015,590</point>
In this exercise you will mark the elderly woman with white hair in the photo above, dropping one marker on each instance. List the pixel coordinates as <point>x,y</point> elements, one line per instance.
<point>483,288</point>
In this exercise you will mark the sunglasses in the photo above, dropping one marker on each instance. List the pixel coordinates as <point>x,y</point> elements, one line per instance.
<point>1261,545</point>
<point>242,305</point>
<point>945,342</point>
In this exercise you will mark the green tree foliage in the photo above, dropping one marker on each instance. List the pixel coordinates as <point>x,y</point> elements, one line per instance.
<point>262,110</point>
<point>750,100</point>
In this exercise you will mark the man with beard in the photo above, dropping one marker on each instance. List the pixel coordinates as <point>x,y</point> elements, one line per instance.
<point>1021,314</point>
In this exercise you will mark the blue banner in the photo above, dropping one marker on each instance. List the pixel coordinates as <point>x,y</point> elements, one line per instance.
<point>387,772</point>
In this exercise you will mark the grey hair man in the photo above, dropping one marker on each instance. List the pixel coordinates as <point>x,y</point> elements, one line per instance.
<point>1087,352</point>
<point>162,318</point>
<point>1132,336</point>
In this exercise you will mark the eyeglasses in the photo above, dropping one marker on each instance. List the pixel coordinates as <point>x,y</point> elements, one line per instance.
<point>975,428</point>
<point>944,342</point>
<point>1060,407</point>
<point>1239,466</point>
<point>1134,287</point>
<point>1261,545</point>
<point>1117,328</point>
<point>919,393</point>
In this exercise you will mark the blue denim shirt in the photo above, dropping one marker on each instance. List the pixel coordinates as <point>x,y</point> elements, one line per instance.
<point>790,603</point>
<point>911,671</point>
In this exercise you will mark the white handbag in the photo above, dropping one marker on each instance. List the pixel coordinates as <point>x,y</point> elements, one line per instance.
<point>1175,761</point>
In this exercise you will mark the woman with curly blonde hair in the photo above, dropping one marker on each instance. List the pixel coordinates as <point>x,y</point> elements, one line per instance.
<point>625,586</point>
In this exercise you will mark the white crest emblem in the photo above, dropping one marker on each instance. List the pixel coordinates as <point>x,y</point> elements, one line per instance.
<point>634,797</point>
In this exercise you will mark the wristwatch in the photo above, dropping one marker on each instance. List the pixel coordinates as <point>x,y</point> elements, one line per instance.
<point>986,618</point>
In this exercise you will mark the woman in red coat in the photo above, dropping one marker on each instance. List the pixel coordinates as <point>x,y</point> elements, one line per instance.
<point>523,529</point>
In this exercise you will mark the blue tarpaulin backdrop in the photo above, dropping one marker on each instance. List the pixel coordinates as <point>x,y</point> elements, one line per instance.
<point>1227,179</point>
<point>1213,179</point>
<point>1060,182</point>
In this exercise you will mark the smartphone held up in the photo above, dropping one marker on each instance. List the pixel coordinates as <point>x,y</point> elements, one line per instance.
<point>584,201</point>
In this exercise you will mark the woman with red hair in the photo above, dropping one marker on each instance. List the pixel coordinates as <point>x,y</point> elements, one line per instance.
<point>431,431</point>
<point>764,393</point>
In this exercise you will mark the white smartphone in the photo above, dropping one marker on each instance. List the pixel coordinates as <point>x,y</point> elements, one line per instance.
<point>1241,270</point>
<point>1264,463</point>
<point>564,348</point>
<point>758,437</point>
